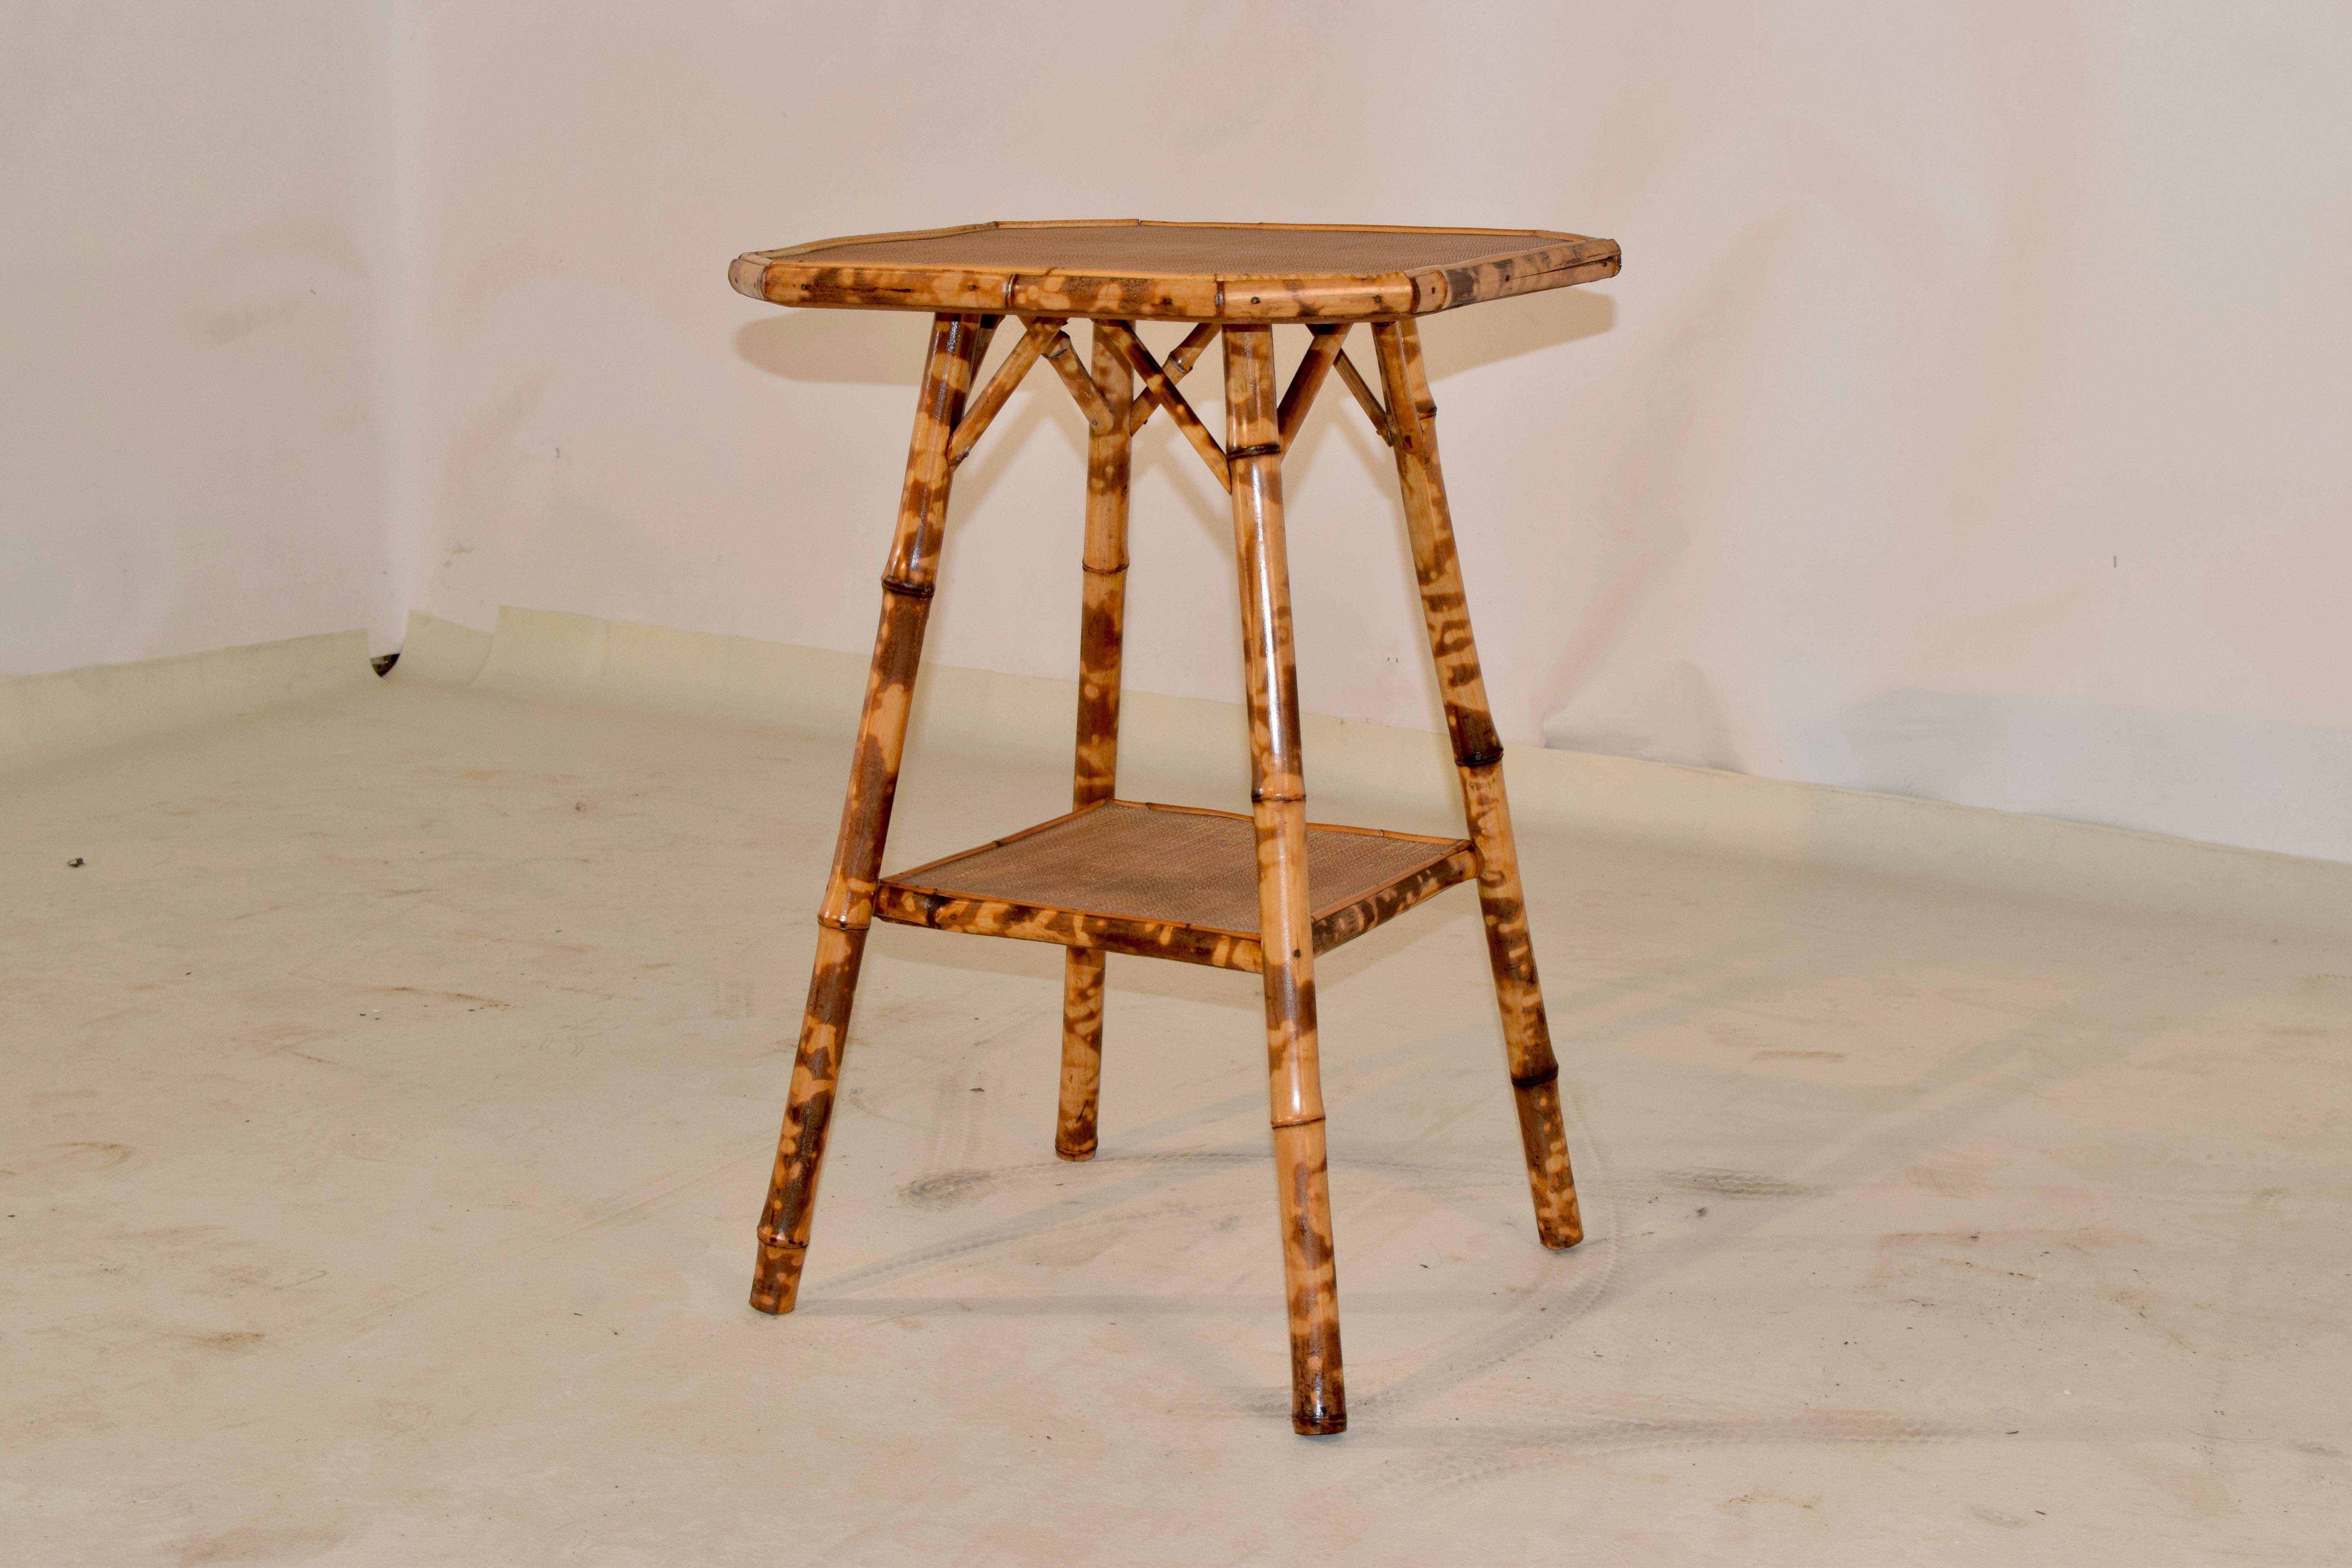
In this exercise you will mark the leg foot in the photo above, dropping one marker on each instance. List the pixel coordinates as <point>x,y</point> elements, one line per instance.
<point>776,1276</point>
<point>1318,1396</point>
<point>800,1149</point>
<point>1559,1223</point>
<point>1082,1027</point>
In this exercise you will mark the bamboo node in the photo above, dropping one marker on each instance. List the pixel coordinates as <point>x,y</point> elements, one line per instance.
<point>1537,1079</point>
<point>842,922</point>
<point>1485,757</point>
<point>1269,449</point>
<point>907,588</point>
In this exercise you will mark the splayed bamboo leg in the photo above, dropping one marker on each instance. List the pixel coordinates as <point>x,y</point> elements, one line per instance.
<point>1478,753</point>
<point>848,907</point>
<point>1101,629</point>
<point>1278,806</point>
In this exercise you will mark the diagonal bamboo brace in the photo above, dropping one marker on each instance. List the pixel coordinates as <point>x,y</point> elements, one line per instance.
<point>1177,366</point>
<point>1063,356</point>
<point>1365,400</point>
<point>991,401</point>
<point>1308,380</point>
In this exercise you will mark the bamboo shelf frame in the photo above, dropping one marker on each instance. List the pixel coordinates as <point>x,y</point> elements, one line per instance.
<point>1160,879</point>
<point>1264,893</point>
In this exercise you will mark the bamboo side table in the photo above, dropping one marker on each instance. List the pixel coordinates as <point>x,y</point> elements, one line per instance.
<point>1265,892</point>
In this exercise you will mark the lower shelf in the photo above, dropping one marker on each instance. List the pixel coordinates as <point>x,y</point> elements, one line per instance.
<point>1166,881</point>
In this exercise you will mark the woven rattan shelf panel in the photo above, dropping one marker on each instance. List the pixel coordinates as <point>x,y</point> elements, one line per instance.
<point>1178,271</point>
<point>1167,881</point>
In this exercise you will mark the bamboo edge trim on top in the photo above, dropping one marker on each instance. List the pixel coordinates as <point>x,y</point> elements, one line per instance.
<point>794,275</point>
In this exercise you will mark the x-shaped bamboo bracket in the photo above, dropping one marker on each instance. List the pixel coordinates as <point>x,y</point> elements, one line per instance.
<point>1046,339</point>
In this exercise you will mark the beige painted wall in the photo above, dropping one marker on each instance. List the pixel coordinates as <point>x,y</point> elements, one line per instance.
<point>1968,423</point>
<point>199,215</point>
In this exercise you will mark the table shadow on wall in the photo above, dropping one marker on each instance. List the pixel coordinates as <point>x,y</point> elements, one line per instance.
<point>884,348</point>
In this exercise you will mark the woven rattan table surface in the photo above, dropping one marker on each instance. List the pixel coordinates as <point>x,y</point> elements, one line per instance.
<point>1180,249</point>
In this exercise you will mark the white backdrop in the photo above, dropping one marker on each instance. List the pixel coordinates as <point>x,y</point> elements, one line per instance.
<point>201,222</point>
<point>1970,420</point>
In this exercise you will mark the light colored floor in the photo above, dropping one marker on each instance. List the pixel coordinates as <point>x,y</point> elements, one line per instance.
<point>389,1094</point>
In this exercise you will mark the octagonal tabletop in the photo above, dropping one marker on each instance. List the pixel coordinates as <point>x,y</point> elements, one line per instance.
<point>1131,270</point>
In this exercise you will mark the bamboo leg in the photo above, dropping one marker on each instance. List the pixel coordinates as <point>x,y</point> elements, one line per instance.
<point>1478,753</point>
<point>848,907</point>
<point>1101,628</point>
<point>1286,925</point>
